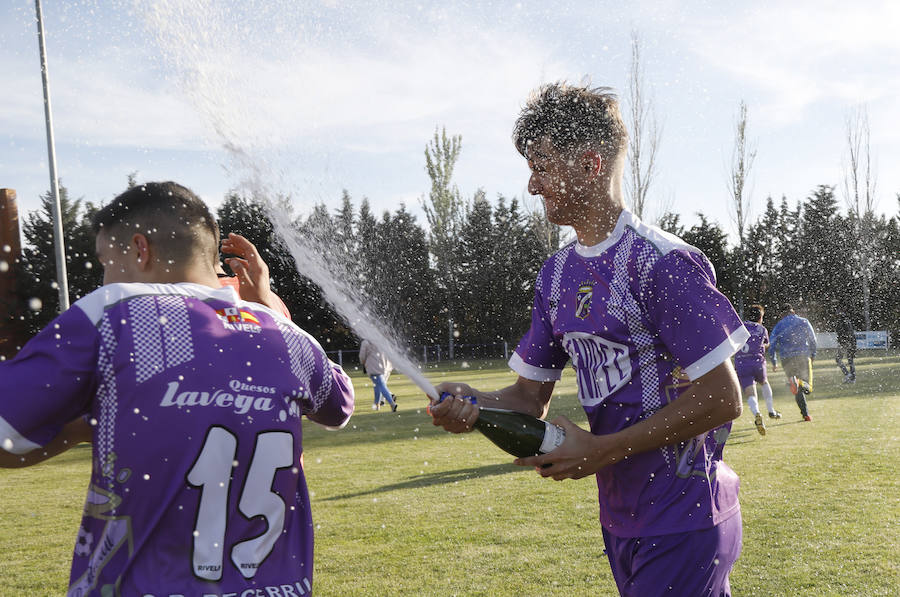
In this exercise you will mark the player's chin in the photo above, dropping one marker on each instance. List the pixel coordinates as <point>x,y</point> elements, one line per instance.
<point>553,212</point>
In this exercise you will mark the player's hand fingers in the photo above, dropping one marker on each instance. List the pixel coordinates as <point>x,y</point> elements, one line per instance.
<point>244,248</point>
<point>241,269</point>
<point>454,415</point>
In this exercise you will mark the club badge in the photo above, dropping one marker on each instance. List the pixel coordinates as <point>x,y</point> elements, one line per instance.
<point>583,301</point>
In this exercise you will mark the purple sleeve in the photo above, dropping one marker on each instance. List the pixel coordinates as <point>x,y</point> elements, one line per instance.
<point>50,382</point>
<point>539,356</point>
<point>337,407</point>
<point>695,321</point>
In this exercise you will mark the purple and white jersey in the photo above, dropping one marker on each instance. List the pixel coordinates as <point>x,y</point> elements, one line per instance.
<point>196,397</point>
<point>640,317</point>
<point>754,351</point>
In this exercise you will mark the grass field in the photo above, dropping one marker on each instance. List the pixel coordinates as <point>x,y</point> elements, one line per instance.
<point>402,508</point>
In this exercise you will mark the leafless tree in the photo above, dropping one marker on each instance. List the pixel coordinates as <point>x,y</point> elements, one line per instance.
<point>859,193</point>
<point>742,158</point>
<point>645,133</point>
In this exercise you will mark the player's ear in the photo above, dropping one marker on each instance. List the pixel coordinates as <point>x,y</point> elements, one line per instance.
<point>591,161</point>
<point>141,251</point>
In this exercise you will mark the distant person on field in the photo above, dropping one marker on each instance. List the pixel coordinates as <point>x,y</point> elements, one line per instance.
<point>377,366</point>
<point>637,312</point>
<point>750,365</point>
<point>195,397</point>
<point>794,342</point>
<point>846,337</point>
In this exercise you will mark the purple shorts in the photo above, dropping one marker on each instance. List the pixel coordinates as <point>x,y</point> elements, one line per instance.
<point>750,372</point>
<point>695,563</point>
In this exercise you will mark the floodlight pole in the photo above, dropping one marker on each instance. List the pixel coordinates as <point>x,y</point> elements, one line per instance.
<point>59,239</point>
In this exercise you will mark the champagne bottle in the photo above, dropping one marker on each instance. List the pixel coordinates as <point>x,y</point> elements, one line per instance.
<point>518,433</point>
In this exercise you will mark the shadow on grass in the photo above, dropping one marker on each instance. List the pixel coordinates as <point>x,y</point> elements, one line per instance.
<point>747,436</point>
<point>438,478</point>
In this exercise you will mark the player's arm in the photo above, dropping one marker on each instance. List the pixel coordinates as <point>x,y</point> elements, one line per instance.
<point>334,411</point>
<point>812,340</point>
<point>364,355</point>
<point>712,400</point>
<point>252,273</point>
<point>458,415</point>
<point>773,346</point>
<point>74,433</point>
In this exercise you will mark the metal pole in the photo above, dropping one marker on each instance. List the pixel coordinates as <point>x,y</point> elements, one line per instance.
<point>450,336</point>
<point>59,240</point>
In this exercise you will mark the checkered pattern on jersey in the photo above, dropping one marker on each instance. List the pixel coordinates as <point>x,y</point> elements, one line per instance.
<point>147,335</point>
<point>107,400</point>
<point>176,329</point>
<point>162,334</point>
<point>624,306</point>
<point>559,261</point>
<point>303,364</point>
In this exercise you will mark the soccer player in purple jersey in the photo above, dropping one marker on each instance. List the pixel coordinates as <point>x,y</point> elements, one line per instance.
<point>750,365</point>
<point>637,312</point>
<point>195,397</point>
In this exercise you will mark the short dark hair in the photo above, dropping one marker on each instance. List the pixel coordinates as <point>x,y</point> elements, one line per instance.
<point>175,221</point>
<point>786,308</point>
<point>755,312</point>
<point>572,115</point>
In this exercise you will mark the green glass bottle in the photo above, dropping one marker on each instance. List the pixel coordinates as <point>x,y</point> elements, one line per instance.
<point>518,433</point>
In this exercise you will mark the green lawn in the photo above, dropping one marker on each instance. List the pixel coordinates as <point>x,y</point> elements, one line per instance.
<point>402,508</point>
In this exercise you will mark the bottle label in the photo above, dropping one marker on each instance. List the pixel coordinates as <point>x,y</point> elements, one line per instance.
<point>554,436</point>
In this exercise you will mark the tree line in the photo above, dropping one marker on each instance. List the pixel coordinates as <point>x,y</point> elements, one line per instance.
<point>469,271</point>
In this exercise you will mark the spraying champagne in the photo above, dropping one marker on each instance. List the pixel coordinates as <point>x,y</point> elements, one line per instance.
<point>517,433</point>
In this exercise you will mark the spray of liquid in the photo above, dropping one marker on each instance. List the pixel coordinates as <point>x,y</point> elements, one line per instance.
<point>197,41</point>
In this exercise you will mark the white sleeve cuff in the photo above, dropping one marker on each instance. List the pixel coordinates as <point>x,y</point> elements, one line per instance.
<point>531,372</point>
<point>718,355</point>
<point>12,441</point>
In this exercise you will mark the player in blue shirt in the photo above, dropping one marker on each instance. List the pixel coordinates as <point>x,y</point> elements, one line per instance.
<point>794,342</point>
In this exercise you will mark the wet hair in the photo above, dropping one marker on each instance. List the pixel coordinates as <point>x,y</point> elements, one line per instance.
<point>571,116</point>
<point>786,307</point>
<point>755,312</point>
<point>176,222</point>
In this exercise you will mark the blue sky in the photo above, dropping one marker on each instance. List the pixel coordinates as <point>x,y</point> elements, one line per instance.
<point>329,95</point>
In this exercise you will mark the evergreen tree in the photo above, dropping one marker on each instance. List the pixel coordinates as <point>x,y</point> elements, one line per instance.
<point>409,281</point>
<point>671,223</point>
<point>761,261</point>
<point>518,258</point>
<point>36,271</point>
<point>709,238</point>
<point>478,280</point>
<point>788,286</point>
<point>885,308</point>
<point>343,228</point>
<point>823,259</point>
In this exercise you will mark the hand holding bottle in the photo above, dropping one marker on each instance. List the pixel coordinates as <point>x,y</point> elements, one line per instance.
<point>518,433</point>
<point>455,414</point>
<point>581,454</point>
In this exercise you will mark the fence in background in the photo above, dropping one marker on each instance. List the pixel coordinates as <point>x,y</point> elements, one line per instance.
<point>435,353</point>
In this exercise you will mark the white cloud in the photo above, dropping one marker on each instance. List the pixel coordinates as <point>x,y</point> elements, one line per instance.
<point>801,53</point>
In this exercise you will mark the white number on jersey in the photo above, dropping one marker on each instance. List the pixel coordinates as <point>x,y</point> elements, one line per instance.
<point>212,474</point>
